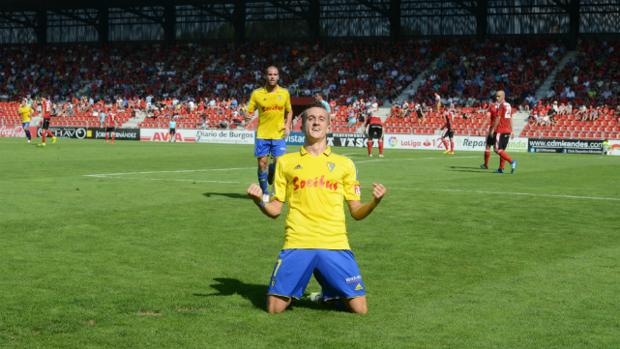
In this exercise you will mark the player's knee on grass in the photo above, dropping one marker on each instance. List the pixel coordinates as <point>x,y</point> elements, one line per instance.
<point>277,304</point>
<point>358,305</point>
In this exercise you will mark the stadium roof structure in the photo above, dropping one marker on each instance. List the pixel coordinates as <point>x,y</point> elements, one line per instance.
<point>52,21</point>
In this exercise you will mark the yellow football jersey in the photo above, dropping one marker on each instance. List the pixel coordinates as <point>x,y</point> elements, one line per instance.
<point>25,112</point>
<point>272,109</point>
<point>315,188</point>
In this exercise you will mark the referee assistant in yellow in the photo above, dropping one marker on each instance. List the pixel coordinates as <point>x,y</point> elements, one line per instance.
<point>316,182</point>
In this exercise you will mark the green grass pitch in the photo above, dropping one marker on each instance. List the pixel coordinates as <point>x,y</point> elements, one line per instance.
<point>147,245</point>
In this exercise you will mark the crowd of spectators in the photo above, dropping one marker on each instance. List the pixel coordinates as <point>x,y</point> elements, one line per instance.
<point>470,71</point>
<point>562,120</point>
<point>592,77</point>
<point>367,70</point>
<point>214,113</point>
<point>202,85</point>
<point>548,114</point>
<point>129,71</point>
<point>424,119</point>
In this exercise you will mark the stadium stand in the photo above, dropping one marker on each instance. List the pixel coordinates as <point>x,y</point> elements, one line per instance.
<point>204,86</point>
<point>592,78</point>
<point>563,121</point>
<point>372,69</point>
<point>472,121</point>
<point>470,71</point>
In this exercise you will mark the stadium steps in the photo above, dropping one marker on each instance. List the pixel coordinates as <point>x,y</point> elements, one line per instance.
<point>519,121</point>
<point>384,113</point>
<point>135,121</point>
<point>541,93</point>
<point>310,74</point>
<point>419,81</point>
<point>200,73</point>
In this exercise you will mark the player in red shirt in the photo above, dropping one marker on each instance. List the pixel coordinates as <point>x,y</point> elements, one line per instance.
<point>449,132</point>
<point>491,135</point>
<point>46,110</point>
<point>437,102</point>
<point>110,127</point>
<point>503,130</point>
<point>374,130</point>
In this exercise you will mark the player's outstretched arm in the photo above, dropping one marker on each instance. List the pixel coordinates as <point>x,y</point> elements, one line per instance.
<point>270,209</point>
<point>288,124</point>
<point>361,211</point>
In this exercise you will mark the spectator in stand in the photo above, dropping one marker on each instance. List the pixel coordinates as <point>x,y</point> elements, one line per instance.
<point>419,110</point>
<point>437,102</point>
<point>555,109</point>
<point>319,99</point>
<point>352,120</point>
<point>581,113</point>
<point>223,124</point>
<point>102,117</point>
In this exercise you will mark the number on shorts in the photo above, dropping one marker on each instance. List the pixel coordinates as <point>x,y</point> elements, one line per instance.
<point>275,271</point>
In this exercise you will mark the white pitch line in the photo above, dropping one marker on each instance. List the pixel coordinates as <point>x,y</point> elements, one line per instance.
<point>169,171</point>
<point>251,168</point>
<point>561,196</point>
<point>171,180</point>
<point>185,180</point>
<point>414,159</point>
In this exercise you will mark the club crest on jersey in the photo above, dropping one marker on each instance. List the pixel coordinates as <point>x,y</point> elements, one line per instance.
<point>298,167</point>
<point>331,166</point>
<point>280,98</point>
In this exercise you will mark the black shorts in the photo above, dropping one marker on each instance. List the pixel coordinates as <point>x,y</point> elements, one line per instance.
<point>46,124</point>
<point>491,140</point>
<point>448,133</point>
<point>173,131</point>
<point>375,131</point>
<point>110,129</point>
<point>502,140</point>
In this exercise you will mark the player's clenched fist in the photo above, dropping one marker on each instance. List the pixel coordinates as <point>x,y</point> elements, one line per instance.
<point>378,191</point>
<point>255,192</point>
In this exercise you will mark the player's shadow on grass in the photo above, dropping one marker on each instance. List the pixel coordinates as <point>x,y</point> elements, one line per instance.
<point>255,294</point>
<point>469,167</point>
<point>473,169</point>
<point>228,195</point>
<point>229,287</point>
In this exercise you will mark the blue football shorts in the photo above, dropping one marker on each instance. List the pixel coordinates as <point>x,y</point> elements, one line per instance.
<point>25,125</point>
<point>264,147</point>
<point>335,270</point>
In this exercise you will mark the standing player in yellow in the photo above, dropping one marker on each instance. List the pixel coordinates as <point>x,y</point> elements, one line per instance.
<point>274,124</point>
<point>316,182</point>
<point>25,111</point>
